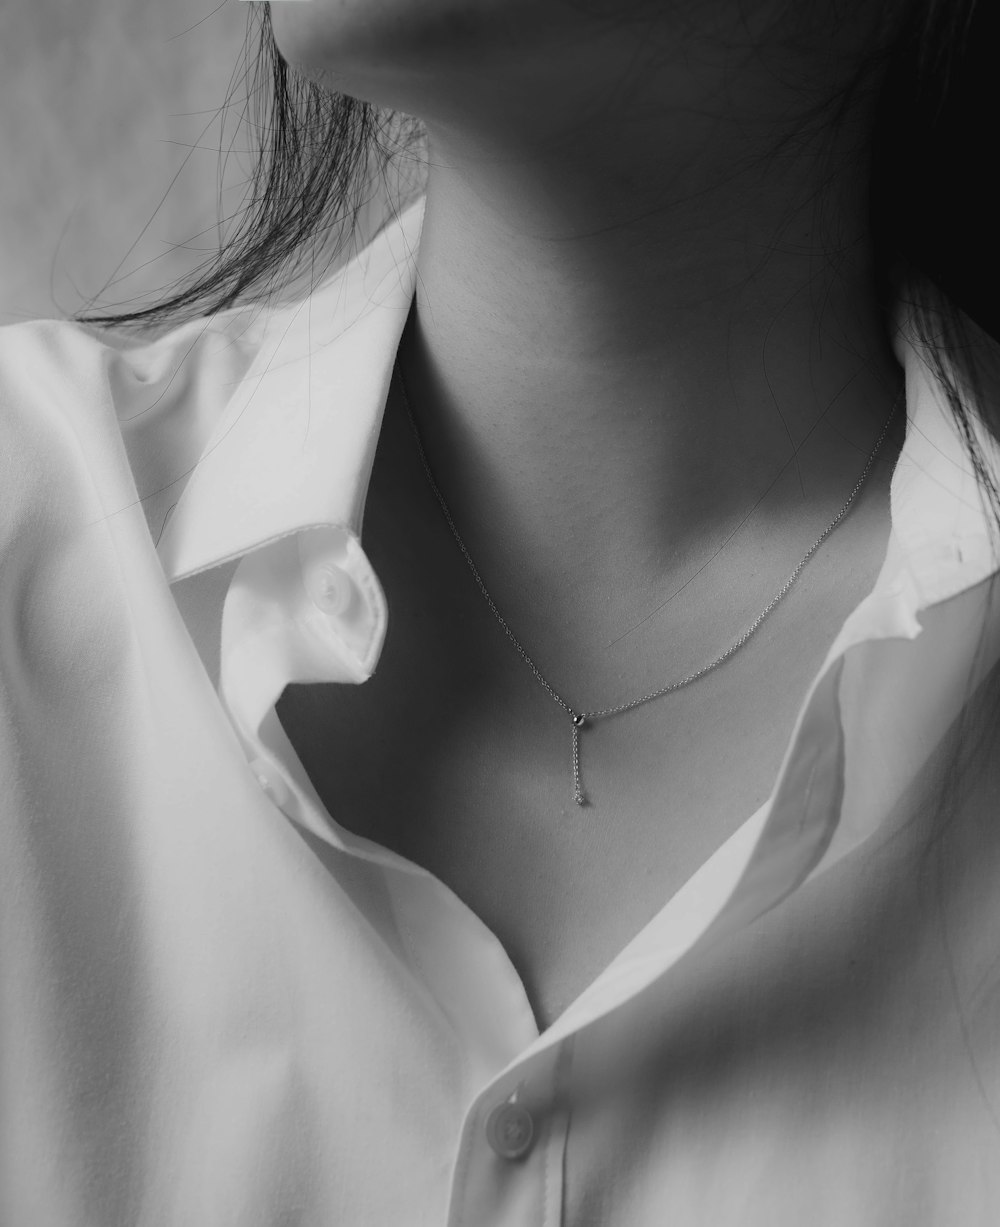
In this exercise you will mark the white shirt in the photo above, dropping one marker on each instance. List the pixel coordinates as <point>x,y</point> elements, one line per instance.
<point>219,1008</point>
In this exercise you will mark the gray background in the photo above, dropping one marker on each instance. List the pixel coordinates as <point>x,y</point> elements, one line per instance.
<point>102,101</point>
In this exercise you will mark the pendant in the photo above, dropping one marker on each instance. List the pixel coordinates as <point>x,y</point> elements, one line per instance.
<point>579,722</point>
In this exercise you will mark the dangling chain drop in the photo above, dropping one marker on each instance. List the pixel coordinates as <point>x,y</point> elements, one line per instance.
<point>582,719</point>
<point>579,722</point>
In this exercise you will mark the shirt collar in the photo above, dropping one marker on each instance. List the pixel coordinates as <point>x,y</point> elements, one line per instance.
<point>292,446</point>
<point>940,515</point>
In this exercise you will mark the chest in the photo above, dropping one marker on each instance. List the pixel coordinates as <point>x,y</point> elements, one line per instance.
<point>491,813</point>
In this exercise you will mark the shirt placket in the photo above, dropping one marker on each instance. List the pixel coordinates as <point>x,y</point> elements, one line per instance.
<point>509,1162</point>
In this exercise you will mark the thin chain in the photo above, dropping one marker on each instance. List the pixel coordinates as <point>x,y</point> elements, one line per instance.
<point>581,718</point>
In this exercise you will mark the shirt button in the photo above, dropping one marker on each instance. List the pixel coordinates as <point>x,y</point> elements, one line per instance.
<point>330,588</point>
<point>271,782</point>
<point>510,1130</point>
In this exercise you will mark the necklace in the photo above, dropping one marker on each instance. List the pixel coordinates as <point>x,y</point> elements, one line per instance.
<point>580,718</point>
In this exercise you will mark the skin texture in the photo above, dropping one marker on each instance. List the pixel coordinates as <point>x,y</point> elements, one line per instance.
<point>648,366</point>
<point>628,315</point>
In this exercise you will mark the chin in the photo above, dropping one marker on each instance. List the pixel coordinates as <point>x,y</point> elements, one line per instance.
<point>342,36</point>
<point>376,49</point>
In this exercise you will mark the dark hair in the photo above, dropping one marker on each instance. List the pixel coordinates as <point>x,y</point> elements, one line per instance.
<point>321,159</point>
<point>934,204</point>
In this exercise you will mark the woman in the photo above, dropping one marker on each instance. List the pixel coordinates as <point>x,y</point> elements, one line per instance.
<point>639,884</point>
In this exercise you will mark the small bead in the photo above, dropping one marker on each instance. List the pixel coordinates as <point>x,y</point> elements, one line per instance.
<point>579,721</point>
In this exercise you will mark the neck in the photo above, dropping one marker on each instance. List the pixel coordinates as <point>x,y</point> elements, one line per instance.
<point>613,368</point>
